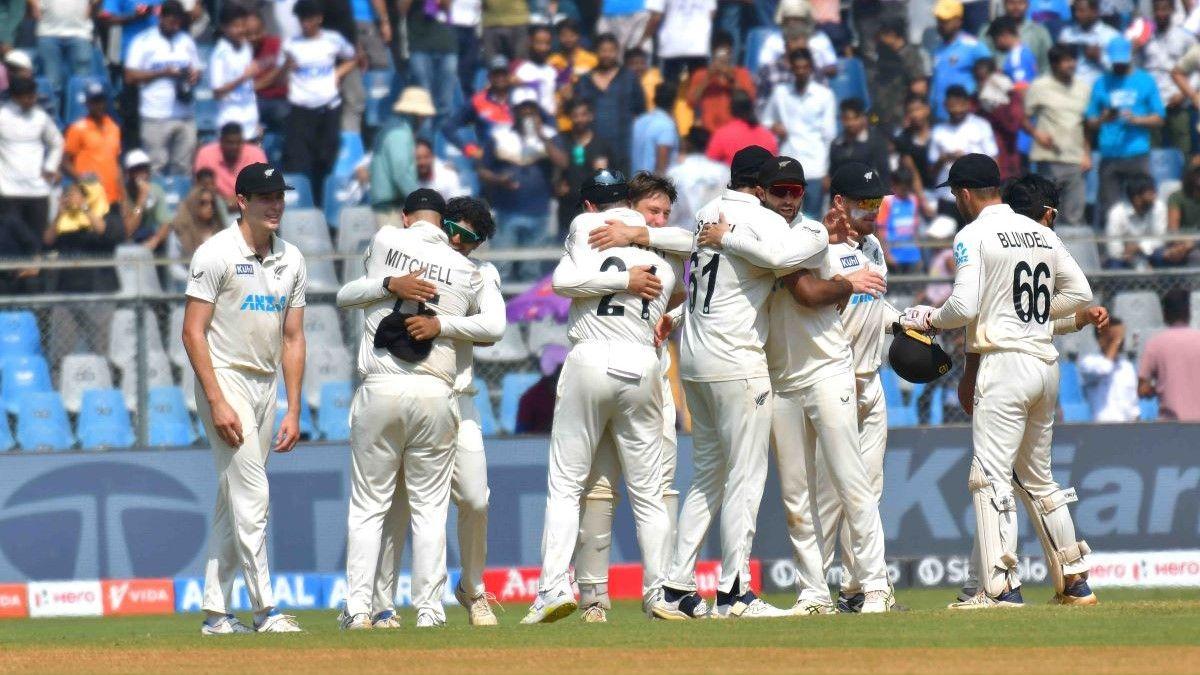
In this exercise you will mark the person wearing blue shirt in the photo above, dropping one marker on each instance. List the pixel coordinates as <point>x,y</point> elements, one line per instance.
<point>133,16</point>
<point>655,137</point>
<point>1123,108</point>
<point>1014,58</point>
<point>954,59</point>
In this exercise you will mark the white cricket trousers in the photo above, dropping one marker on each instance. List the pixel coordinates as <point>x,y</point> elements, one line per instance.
<point>820,424</point>
<point>468,490</point>
<point>1011,428</point>
<point>238,539</point>
<point>872,442</point>
<point>731,427</point>
<point>402,427</point>
<point>606,389</point>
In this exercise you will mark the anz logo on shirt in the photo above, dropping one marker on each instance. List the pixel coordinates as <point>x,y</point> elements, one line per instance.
<point>264,303</point>
<point>859,298</point>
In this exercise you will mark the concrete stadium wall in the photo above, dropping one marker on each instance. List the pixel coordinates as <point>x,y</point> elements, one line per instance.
<point>142,514</point>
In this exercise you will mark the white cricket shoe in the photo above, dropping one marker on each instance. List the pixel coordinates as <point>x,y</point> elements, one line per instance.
<point>356,622</point>
<point>688,606</point>
<point>595,614</point>
<point>278,623</point>
<point>810,607</point>
<point>749,606</point>
<point>878,602</point>
<point>386,619</point>
<point>226,625</point>
<point>427,619</point>
<point>479,607</point>
<point>981,600</point>
<point>549,610</point>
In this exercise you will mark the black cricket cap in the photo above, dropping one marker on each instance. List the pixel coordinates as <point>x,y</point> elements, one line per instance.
<point>605,187</point>
<point>916,357</point>
<point>974,171</point>
<point>424,199</point>
<point>95,92</point>
<point>781,171</point>
<point>748,161</point>
<point>857,181</point>
<point>393,336</point>
<point>260,179</point>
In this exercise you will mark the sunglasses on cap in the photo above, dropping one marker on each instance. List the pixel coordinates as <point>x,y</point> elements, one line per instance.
<point>452,228</point>
<point>786,190</point>
<point>867,204</point>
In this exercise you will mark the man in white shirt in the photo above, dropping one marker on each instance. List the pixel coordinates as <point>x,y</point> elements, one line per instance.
<point>535,75</point>
<point>1135,225</point>
<point>1014,279</point>
<point>244,315</point>
<point>804,116</point>
<point>64,38</point>
<point>1090,36</point>
<point>436,174</point>
<point>405,418</point>
<point>1110,379</point>
<point>684,29</point>
<point>31,149</point>
<point>961,134</point>
<point>165,64</point>
<point>232,71</point>
<point>698,179</point>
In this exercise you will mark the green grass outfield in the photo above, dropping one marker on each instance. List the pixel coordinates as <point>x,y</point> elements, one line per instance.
<point>1131,631</point>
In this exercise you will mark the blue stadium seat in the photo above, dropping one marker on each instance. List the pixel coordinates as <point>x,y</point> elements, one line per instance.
<point>50,98</point>
<point>272,145</point>
<point>1149,409</point>
<point>350,153</point>
<point>75,103</point>
<point>937,406</point>
<point>175,189</point>
<point>1166,164</point>
<point>169,422</point>
<point>891,387</point>
<point>754,42</point>
<point>42,422</point>
<point>512,387</point>
<point>302,196</point>
<point>380,94</point>
<point>483,404</point>
<point>1070,387</point>
<point>104,420</point>
<point>19,334</point>
<point>336,198</point>
<point>1076,412</point>
<point>334,420</point>
<point>205,111</point>
<point>23,375</point>
<point>850,81</point>
<point>7,442</point>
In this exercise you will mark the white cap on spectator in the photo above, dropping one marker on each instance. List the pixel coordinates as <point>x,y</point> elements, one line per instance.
<point>18,59</point>
<point>136,157</point>
<point>522,95</point>
<point>793,9</point>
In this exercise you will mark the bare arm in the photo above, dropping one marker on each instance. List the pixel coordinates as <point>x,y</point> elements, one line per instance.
<point>294,348</point>
<point>813,292</point>
<point>197,316</point>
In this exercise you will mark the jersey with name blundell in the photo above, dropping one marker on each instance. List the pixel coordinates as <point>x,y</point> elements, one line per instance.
<point>250,298</point>
<point>865,318</point>
<point>602,310</point>
<point>1014,277</point>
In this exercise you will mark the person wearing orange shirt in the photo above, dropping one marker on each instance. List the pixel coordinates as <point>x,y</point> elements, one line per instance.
<point>710,89</point>
<point>93,145</point>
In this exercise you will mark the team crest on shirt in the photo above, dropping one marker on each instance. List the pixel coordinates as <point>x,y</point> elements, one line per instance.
<point>960,253</point>
<point>279,270</point>
<point>849,261</point>
<point>244,270</point>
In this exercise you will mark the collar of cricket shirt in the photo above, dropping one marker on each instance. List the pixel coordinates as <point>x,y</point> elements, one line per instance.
<point>247,252</point>
<point>430,231</point>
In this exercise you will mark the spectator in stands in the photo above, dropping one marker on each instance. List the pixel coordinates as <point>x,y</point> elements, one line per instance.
<point>196,219</point>
<point>133,17</point>
<point>270,85</point>
<point>698,179</point>
<point>1000,104</point>
<point>626,20</point>
<point>31,150</point>
<point>505,29</point>
<point>373,27</point>
<point>912,142</point>
<point>899,222</point>
<point>536,74</point>
<point>206,179</point>
<point>955,55</point>
<point>76,225</point>
<point>1109,378</point>
<point>1054,107</point>
<point>1089,36</point>
<point>649,77</point>
<point>1124,107</point>
<point>710,88</point>
<point>571,60</point>
<point>535,410</point>
<point>64,38</point>
<point>18,65</point>
<point>962,133</point>
<point>1184,72</point>
<point>616,96</point>
<point>316,61</point>
<point>437,174</point>
<point>1135,226</point>
<point>1183,217</point>
<point>226,157</point>
<point>684,30</point>
<point>860,141</point>
<point>585,153</point>
<point>232,71</point>
<point>488,107</point>
<point>144,204</point>
<point>742,131</point>
<point>1032,34</point>
<point>339,18</point>
<point>433,58</point>
<point>778,71</point>
<point>798,32</point>
<point>93,145</point>
<point>1162,52</point>
<point>165,65</point>
<point>394,160</point>
<point>898,69</point>
<point>655,138</point>
<point>1170,367</point>
<point>465,16</point>
<point>804,117</point>
<point>1015,59</point>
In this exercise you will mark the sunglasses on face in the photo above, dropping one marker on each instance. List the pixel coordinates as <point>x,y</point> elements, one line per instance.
<point>868,204</point>
<point>453,228</point>
<point>786,190</point>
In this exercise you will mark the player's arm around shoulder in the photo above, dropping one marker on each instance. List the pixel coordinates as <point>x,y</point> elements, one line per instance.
<point>581,272</point>
<point>487,321</point>
<point>768,242</point>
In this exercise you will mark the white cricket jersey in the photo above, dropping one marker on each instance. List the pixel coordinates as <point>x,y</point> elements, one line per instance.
<point>399,251</point>
<point>485,326</point>
<point>865,318</point>
<point>240,105</point>
<point>250,298</point>
<point>313,83</point>
<point>725,323</point>
<point>804,345</point>
<point>601,309</point>
<point>1014,278</point>
<point>152,51</point>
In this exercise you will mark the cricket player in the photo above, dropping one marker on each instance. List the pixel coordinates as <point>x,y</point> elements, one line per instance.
<point>244,315</point>
<point>468,222</point>
<point>812,373</point>
<point>1014,279</point>
<point>610,384</point>
<point>724,370</point>
<point>404,420</point>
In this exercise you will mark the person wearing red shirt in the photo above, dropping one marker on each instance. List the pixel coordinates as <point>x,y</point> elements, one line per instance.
<point>227,156</point>
<point>270,85</point>
<point>740,132</point>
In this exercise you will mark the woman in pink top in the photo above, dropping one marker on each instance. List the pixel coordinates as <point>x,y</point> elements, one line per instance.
<point>1170,366</point>
<point>740,132</point>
